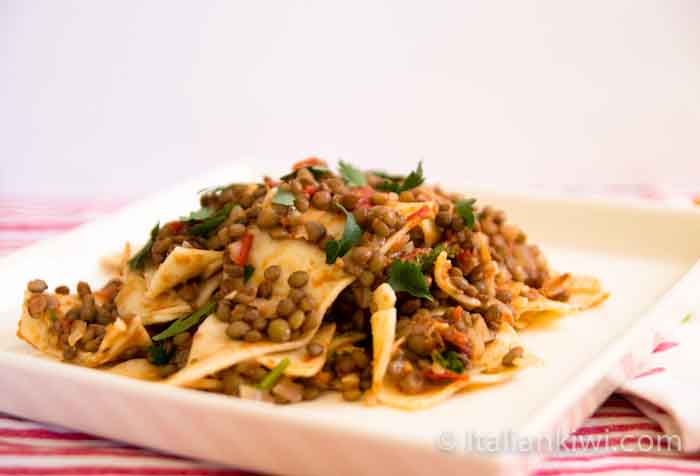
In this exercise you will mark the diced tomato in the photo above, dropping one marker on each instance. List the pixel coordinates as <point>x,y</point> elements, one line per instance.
<point>364,194</point>
<point>414,253</point>
<point>430,374</point>
<point>176,226</point>
<point>310,190</point>
<point>463,258</point>
<point>458,312</point>
<point>308,163</point>
<point>246,244</point>
<point>458,339</point>
<point>422,213</point>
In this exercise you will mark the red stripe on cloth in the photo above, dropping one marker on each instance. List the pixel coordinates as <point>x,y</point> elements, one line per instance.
<point>116,470</point>
<point>664,346</point>
<point>87,451</point>
<point>618,467</point>
<point>654,371</point>
<point>46,434</point>
<point>616,414</point>
<point>56,225</point>
<point>576,443</point>
<point>625,454</point>
<point>617,427</point>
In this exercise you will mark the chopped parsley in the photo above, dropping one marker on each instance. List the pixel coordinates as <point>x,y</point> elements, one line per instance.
<point>413,180</point>
<point>197,215</point>
<point>352,176</point>
<point>427,260</point>
<point>352,233</point>
<point>248,271</point>
<point>212,222</point>
<point>139,259</point>
<point>449,360</point>
<point>686,319</point>
<point>407,276</point>
<point>158,354</point>
<point>283,198</point>
<point>465,209</point>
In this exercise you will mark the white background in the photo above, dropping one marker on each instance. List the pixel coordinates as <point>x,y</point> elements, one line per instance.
<point>118,98</point>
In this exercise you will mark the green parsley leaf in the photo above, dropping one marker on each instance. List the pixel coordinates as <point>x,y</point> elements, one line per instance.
<point>283,198</point>
<point>686,319</point>
<point>385,175</point>
<point>413,180</point>
<point>352,233</point>
<point>139,259</point>
<point>248,271</point>
<point>158,355</point>
<point>212,223</point>
<point>465,208</point>
<point>407,276</point>
<point>427,260</point>
<point>273,375</point>
<point>52,315</point>
<point>197,215</point>
<point>449,360</point>
<point>184,323</point>
<point>352,176</point>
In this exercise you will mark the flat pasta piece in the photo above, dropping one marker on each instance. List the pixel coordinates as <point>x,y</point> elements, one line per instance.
<point>120,336</point>
<point>300,363</point>
<point>116,264</point>
<point>390,395</point>
<point>344,340</point>
<point>207,289</point>
<point>182,264</point>
<point>133,299</point>
<point>442,278</point>
<point>212,350</point>
<point>139,369</point>
<point>383,322</point>
<point>506,339</point>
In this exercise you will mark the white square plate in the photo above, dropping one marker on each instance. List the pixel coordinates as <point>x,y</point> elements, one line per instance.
<point>644,256</point>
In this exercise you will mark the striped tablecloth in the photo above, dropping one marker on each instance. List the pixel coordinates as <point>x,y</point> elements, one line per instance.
<point>618,439</point>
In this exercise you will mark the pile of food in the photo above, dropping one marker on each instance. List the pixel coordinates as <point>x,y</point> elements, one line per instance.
<point>377,286</point>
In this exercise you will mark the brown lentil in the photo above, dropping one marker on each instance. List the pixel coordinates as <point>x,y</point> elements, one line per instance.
<point>314,231</point>
<point>298,279</point>
<point>272,273</point>
<point>285,307</point>
<point>296,320</point>
<point>253,336</point>
<point>62,289</point>
<point>321,199</point>
<point>37,286</point>
<point>361,255</point>
<point>279,331</point>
